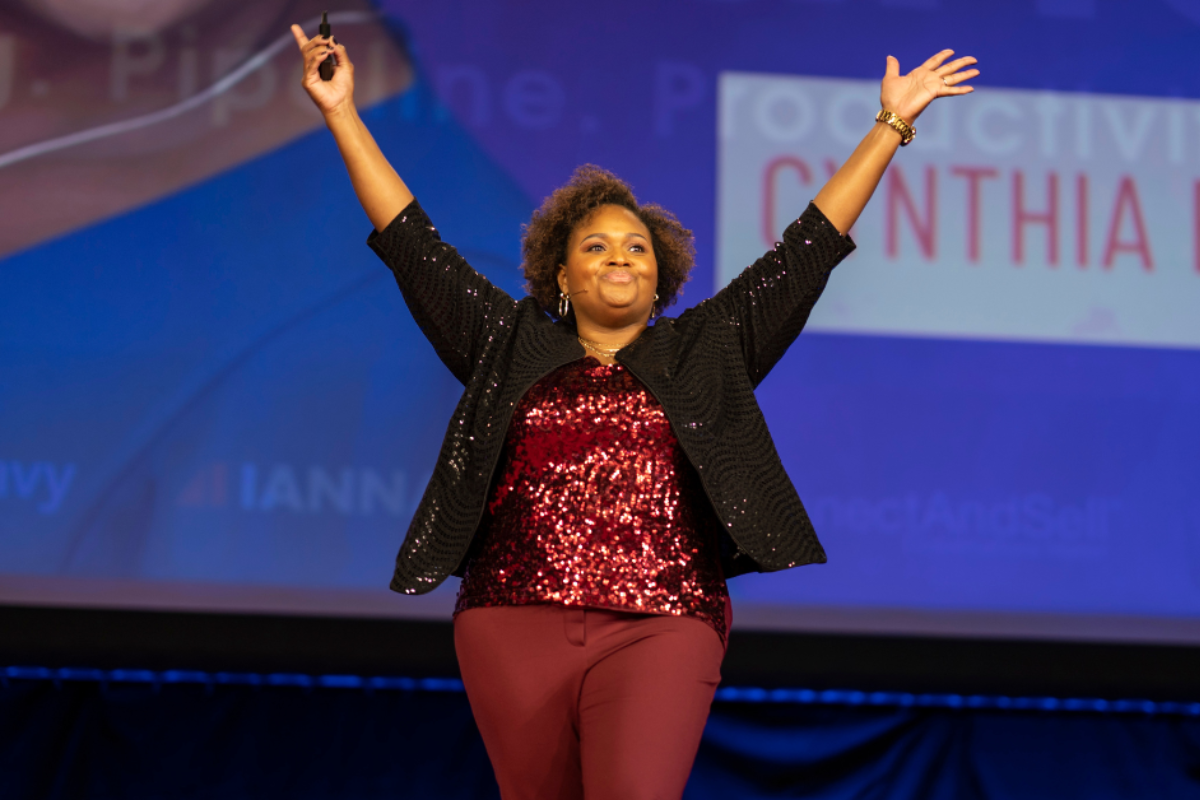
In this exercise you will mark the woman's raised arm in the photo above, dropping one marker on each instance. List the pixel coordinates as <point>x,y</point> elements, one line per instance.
<point>846,194</point>
<point>380,190</point>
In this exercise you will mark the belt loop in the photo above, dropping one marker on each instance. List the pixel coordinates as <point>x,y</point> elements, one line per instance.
<point>575,626</point>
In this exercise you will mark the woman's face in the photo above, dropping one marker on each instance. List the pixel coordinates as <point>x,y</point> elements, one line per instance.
<point>611,274</point>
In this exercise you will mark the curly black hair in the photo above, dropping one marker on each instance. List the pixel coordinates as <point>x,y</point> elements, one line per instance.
<point>545,240</point>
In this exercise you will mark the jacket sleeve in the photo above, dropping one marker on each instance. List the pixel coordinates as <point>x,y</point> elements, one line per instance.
<point>768,304</point>
<point>451,302</point>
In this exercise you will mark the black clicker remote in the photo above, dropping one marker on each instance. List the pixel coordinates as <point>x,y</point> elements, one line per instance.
<point>326,68</point>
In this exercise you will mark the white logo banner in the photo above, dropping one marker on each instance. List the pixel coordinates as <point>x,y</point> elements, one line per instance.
<point>1042,216</point>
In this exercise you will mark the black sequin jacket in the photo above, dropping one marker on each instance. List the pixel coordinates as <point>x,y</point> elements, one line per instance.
<point>702,367</point>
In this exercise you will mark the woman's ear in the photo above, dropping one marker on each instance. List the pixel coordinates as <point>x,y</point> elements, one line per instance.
<point>561,278</point>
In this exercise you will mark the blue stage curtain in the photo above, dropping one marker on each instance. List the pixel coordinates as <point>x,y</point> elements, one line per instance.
<point>91,739</point>
<point>186,742</point>
<point>772,751</point>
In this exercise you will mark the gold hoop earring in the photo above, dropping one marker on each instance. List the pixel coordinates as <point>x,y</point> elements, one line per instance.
<point>564,305</point>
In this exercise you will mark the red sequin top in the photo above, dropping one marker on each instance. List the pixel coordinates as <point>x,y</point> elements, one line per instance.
<point>597,506</point>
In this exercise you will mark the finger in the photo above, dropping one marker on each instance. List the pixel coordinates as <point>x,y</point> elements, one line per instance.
<point>317,43</point>
<point>956,65</point>
<point>936,60</point>
<point>960,77</point>
<point>315,55</point>
<point>301,39</point>
<point>893,68</point>
<point>339,55</point>
<point>312,63</point>
<point>312,54</point>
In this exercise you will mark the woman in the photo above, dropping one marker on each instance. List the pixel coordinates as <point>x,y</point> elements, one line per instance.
<point>601,478</point>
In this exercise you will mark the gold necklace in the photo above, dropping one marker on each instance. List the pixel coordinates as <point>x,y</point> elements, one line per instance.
<point>596,347</point>
<point>608,352</point>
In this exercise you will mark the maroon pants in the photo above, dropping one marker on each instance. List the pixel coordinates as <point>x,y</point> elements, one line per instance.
<point>576,703</point>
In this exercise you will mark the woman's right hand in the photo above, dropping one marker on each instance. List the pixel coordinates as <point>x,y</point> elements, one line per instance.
<point>333,95</point>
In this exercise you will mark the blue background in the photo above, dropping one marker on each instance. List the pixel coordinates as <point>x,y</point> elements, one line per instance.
<point>239,333</point>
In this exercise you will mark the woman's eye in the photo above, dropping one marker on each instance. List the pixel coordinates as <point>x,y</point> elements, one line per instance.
<point>637,248</point>
<point>596,247</point>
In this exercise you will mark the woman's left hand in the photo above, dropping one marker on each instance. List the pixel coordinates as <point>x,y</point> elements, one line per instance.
<point>908,95</point>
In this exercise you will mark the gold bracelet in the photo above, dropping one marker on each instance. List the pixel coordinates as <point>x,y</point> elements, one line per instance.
<point>907,132</point>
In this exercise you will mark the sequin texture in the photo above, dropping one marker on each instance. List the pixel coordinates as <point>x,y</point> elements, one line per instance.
<point>702,366</point>
<point>597,506</point>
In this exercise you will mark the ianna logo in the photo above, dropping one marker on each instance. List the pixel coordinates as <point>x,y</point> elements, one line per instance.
<point>349,491</point>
